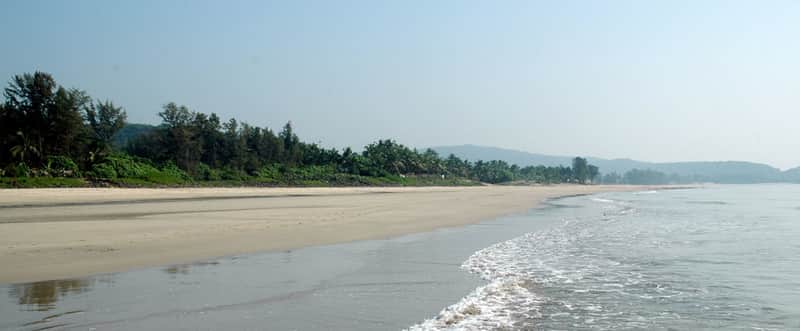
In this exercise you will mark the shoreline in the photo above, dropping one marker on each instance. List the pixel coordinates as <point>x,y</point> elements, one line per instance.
<point>66,233</point>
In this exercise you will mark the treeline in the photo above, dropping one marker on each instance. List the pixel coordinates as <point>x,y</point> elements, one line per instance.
<point>45,127</point>
<point>49,131</point>
<point>649,177</point>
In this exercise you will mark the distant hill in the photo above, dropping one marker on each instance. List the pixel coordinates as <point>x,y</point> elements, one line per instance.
<point>475,153</point>
<point>129,132</point>
<point>718,172</point>
<point>792,175</point>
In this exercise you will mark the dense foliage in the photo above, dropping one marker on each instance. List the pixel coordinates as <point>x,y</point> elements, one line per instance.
<point>50,131</point>
<point>47,129</point>
<point>649,177</point>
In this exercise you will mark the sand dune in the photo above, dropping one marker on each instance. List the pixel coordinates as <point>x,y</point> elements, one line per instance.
<point>62,233</point>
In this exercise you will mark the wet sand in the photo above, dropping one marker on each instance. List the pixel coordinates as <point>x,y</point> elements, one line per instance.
<point>364,285</point>
<point>64,233</point>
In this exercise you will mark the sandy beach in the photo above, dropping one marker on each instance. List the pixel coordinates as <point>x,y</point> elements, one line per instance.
<point>63,233</point>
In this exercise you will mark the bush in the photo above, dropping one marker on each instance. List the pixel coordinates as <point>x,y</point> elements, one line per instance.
<point>122,166</point>
<point>169,174</point>
<point>103,171</point>
<point>17,170</point>
<point>271,172</point>
<point>170,169</point>
<point>128,170</point>
<point>311,173</point>
<point>232,174</point>
<point>62,166</point>
<point>129,167</point>
<point>204,172</point>
<point>24,182</point>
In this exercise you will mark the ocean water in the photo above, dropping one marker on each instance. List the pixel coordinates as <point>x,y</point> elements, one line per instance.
<point>722,257</point>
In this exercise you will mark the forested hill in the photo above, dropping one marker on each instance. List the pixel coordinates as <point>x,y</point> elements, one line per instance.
<point>130,132</point>
<point>792,175</point>
<point>475,153</point>
<point>719,172</point>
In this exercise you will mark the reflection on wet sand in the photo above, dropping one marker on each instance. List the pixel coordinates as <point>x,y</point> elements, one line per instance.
<point>40,324</point>
<point>183,269</point>
<point>42,296</point>
<point>341,287</point>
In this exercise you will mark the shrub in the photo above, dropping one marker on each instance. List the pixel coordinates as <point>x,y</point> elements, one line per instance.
<point>62,166</point>
<point>129,167</point>
<point>311,173</point>
<point>122,166</point>
<point>169,174</point>
<point>18,170</point>
<point>232,174</point>
<point>129,170</point>
<point>103,171</point>
<point>204,172</point>
<point>271,172</point>
<point>19,182</point>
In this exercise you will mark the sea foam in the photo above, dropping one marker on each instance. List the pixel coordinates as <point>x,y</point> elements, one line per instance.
<point>512,269</point>
<point>507,297</point>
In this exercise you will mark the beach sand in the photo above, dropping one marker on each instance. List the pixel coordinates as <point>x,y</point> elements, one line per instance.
<point>63,233</point>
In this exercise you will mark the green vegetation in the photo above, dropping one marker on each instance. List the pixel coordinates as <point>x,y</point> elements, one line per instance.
<point>724,172</point>
<point>30,182</point>
<point>648,177</point>
<point>53,136</point>
<point>129,132</point>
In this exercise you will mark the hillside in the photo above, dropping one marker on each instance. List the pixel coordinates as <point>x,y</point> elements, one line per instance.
<point>719,171</point>
<point>792,175</point>
<point>129,132</point>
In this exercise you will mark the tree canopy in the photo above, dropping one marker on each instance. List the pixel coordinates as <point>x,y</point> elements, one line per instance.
<point>47,128</point>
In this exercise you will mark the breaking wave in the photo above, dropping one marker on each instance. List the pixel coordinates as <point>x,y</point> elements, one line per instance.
<point>513,270</point>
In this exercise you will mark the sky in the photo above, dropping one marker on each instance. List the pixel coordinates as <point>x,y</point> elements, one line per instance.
<point>648,80</point>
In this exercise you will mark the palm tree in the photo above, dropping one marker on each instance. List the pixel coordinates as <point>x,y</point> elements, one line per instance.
<point>24,150</point>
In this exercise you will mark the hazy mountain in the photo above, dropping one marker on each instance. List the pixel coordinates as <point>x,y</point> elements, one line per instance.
<point>720,172</point>
<point>475,153</point>
<point>792,175</point>
<point>129,132</point>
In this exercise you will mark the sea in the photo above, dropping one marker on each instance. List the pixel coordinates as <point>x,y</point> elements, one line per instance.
<point>721,257</point>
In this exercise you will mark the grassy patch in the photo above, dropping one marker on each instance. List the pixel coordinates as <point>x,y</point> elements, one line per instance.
<point>38,182</point>
<point>172,177</point>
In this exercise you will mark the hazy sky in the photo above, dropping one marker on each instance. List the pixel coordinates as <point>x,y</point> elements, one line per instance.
<point>655,81</point>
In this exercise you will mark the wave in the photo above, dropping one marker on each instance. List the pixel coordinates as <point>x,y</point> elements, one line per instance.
<point>516,269</point>
<point>639,264</point>
<point>497,305</point>
<point>603,200</point>
<point>506,299</point>
<point>711,202</point>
